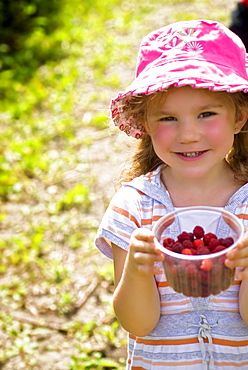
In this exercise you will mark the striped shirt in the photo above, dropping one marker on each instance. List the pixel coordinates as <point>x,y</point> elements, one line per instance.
<point>192,333</point>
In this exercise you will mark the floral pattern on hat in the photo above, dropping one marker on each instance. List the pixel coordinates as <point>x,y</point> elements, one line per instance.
<point>189,31</point>
<point>194,47</point>
<point>129,126</point>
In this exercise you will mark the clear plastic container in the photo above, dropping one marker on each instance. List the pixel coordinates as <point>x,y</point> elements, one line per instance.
<point>198,275</point>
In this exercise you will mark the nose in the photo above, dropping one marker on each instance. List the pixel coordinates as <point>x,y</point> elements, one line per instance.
<point>188,131</point>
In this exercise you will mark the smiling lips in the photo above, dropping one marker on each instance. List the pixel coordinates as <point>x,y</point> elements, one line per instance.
<point>191,154</point>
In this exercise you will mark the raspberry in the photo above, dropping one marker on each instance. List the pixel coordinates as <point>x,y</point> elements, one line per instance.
<point>206,265</point>
<point>227,242</point>
<point>202,250</point>
<point>187,244</point>
<point>206,291</point>
<point>213,244</point>
<point>217,271</point>
<point>185,263</point>
<point>207,237</point>
<point>168,242</point>
<point>198,232</point>
<point>191,235</point>
<point>204,277</point>
<point>193,251</point>
<point>187,251</point>
<point>177,247</point>
<point>173,271</point>
<point>198,243</point>
<point>219,248</point>
<point>192,271</point>
<point>181,270</point>
<point>183,236</point>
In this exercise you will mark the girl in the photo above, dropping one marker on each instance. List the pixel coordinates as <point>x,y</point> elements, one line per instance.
<point>188,107</point>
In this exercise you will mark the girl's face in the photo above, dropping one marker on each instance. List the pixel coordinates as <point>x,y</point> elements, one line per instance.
<point>192,130</point>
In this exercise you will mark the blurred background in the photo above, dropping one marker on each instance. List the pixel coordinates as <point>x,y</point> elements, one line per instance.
<point>61,61</point>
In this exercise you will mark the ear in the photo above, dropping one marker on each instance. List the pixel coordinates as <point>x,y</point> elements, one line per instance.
<point>242,118</point>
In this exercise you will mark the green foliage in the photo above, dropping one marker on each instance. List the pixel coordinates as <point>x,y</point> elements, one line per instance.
<point>19,341</point>
<point>78,196</point>
<point>93,360</point>
<point>97,360</point>
<point>22,25</point>
<point>100,121</point>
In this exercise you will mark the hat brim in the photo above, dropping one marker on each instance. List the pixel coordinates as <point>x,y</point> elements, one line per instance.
<point>179,73</point>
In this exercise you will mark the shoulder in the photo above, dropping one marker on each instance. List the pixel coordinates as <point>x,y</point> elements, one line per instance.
<point>238,203</point>
<point>140,187</point>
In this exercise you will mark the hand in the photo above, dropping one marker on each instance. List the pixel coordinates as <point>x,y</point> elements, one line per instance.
<point>143,254</point>
<point>238,257</point>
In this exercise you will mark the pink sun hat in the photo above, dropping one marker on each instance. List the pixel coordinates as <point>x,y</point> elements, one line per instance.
<point>199,53</point>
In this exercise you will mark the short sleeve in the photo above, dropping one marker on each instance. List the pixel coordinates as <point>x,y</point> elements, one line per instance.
<point>121,218</point>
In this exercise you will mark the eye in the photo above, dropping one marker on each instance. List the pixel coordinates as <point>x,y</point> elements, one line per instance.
<point>168,119</point>
<point>207,114</point>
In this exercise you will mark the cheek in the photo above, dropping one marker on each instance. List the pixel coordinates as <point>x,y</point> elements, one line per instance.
<point>220,135</point>
<point>161,137</point>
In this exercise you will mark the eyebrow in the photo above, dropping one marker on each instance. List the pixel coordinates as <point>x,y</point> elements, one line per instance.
<point>211,106</point>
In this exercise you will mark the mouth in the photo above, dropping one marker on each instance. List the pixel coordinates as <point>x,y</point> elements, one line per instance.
<point>191,154</point>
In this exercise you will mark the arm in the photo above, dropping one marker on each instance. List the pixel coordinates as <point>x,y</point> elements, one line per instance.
<point>238,257</point>
<point>243,301</point>
<point>136,298</point>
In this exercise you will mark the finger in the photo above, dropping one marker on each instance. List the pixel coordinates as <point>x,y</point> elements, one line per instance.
<point>149,269</point>
<point>242,274</point>
<point>244,241</point>
<point>142,234</point>
<point>145,246</point>
<point>147,258</point>
<point>238,262</point>
<point>237,253</point>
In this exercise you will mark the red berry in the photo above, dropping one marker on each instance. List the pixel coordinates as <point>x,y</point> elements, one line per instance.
<point>192,272</point>
<point>198,232</point>
<point>205,291</point>
<point>198,243</point>
<point>168,242</point>
<point>227,242</point>
<point>187,251</point>
<point>191,235</point>
<point>177,247</point>
<point>213,244</point>
<point>204,278</point>
<point>217,273</point>
<point>202,250</point>
<point>187,244</point>
<point>219,248</point>
<point>207,237</point>
<point>206,265</point>
<point>183,236</point>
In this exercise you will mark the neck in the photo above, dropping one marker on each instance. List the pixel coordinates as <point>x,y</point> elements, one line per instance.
<point>212,190</point>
